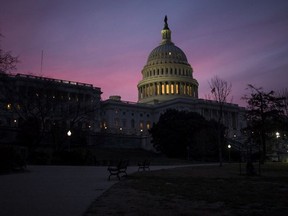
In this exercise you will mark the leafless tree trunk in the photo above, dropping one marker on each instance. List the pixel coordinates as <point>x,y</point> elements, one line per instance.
<point>220,90</point>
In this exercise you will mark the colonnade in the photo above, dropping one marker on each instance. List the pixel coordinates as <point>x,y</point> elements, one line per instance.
<point>167,88</point>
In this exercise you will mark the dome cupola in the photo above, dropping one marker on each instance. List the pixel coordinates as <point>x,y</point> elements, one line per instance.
<point>167,73</point>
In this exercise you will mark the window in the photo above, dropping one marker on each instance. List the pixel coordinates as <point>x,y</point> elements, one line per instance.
<point>167,89</point>
<point>148,125</point>
<point>124,123</point>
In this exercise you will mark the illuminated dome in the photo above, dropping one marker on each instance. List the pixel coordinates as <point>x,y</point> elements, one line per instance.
<point>168,53</point>
<point>167,73</point>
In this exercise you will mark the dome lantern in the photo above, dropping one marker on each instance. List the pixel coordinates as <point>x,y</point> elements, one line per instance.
<point>166,33</point>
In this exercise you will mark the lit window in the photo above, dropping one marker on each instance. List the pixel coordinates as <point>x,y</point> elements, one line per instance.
<point>163,89</point>
<point>148,125</point>
<point>167,88</point>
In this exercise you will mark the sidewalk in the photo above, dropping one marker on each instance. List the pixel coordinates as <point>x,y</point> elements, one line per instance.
<point>54,190</point>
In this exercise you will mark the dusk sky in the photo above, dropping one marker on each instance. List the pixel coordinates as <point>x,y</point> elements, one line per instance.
<point>106,43</point>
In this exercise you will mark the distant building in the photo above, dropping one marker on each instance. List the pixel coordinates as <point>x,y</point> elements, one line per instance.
<point>52,102</point>
<point>167,83</point>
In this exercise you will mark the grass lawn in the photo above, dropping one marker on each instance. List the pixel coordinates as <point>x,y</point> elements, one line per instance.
<point>205,190</point>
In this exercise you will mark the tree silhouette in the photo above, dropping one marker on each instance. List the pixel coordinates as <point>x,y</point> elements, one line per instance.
<point>182,134</point>
<point>264,113</point>
<point>7,61</point>
<point>220,90</point>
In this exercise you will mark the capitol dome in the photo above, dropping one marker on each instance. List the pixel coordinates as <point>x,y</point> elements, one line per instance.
<point>168,53</point>
<point>167,73</point>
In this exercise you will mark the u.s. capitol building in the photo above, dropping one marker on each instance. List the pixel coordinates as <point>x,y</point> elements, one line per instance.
<point>167,83</point>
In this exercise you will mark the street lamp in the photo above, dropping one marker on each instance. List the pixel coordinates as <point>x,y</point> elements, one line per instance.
<point>277,143</point>
<point>229,148</point>
<point>69,133</point>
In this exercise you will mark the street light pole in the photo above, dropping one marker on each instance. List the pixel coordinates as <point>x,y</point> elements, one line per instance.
<point>69,133</point>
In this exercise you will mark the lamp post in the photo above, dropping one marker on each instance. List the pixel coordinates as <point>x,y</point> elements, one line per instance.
<point>69,133</point>
<point>229,148</point>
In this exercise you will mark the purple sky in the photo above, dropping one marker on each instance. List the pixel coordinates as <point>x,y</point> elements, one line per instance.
<point>106,43</point>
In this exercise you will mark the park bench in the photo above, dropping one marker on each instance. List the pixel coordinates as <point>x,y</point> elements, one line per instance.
<point>144,165</point>
<point>119,169</point>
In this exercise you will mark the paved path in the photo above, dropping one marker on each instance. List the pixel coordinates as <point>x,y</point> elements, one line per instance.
<point>54,190</point>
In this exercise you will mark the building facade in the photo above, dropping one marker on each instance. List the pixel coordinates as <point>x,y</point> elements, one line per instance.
<point>50,103</point>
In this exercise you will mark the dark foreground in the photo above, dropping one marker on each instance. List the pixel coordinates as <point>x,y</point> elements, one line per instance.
<point>207,190</point>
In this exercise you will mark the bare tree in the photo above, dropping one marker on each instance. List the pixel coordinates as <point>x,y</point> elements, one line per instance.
<point>220,90</point>
<point>263,113</point>
<point>7,61</point>
<point>284,95</point>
